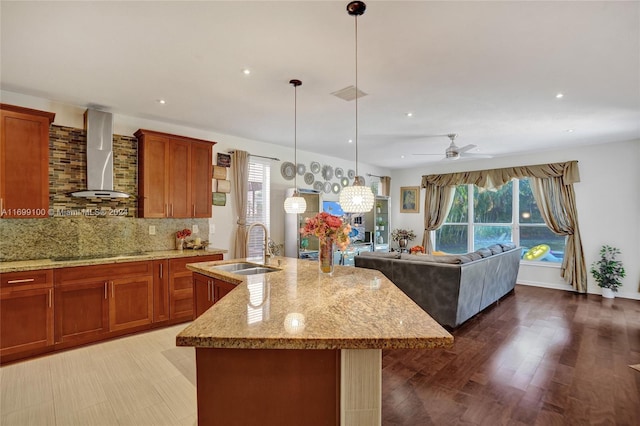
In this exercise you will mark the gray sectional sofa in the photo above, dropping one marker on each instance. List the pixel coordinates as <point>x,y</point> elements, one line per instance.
<point>450,288</point>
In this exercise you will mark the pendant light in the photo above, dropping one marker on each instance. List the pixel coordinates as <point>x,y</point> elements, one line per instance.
<point>357,198</point>
<point>295,204</point>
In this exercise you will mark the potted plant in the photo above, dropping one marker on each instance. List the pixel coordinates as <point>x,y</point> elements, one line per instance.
<point>608,272</point>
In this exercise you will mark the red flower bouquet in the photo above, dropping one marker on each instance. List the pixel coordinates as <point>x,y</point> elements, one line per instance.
<point>326,226</point>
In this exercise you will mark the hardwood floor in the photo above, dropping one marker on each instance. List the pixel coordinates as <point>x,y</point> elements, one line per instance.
<point>538,357</point>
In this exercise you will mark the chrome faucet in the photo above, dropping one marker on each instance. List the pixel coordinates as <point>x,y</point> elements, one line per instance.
<point>266,240</point>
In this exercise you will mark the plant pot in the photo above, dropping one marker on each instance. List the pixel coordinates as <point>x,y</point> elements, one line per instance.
<point>607,293</point>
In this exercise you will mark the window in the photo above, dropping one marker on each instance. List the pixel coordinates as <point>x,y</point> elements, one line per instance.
<point>498,216</point>
<point>258,203</point>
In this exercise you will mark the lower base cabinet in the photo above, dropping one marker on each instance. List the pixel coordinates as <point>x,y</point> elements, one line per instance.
<point>208,291</point>
<point>50,309</point>
<point>26,312</point>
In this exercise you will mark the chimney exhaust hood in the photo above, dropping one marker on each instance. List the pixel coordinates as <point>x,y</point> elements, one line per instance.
<point>99,126</point>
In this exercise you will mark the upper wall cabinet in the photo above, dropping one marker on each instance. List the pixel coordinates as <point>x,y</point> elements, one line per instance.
<point>24,162</point>
<point>174,175</point>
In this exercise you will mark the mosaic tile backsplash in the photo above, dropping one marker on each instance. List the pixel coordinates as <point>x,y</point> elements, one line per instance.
<point>75,229</point>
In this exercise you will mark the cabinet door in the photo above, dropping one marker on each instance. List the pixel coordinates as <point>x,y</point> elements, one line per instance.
<point>179,179</point>
<point>24,163</point>
<point>180,290</point>
<point>160,290</point>
<point>26,320</point>
<point>153,189</point>
<point>203,293</point>
<point>130,302</point>
<point>81,311</point>
<point>222,288</point>
<point>201,176</point>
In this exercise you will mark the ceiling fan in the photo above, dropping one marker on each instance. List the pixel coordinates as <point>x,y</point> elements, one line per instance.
<point>453,152</point>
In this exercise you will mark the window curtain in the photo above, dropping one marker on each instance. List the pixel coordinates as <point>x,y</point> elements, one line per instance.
<point>557,205</point>
<point>437,203</point>
<point>385,182</point>
<point>241,183</point>
<point>556,193</point>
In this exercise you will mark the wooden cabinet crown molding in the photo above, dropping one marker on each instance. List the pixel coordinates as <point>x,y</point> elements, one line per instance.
<point>146,132</point>
<point>22,110</point>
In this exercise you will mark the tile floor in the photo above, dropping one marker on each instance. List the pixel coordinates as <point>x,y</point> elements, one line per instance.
<point>136,380</point>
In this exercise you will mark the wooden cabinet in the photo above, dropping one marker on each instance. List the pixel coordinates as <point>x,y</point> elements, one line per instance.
<point>26,312</point>
<point>203,293</point>
<point>92,301</point>
<point>160,290</point>
<point>131,302</point>
<point>24,162</point>
<point>181,287</point>
<point>174,175</point>
<point>207,291</point>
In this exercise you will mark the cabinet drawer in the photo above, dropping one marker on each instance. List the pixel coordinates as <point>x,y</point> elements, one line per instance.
<point>180,264</point>
<point>12,281</point>
<point>107,271</point>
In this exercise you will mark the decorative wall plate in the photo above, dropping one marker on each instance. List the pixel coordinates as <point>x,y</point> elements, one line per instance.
<point>315,167</point>
<point>351,174</point>
<point>327,172</point>
<point>362,181</point>
<point>339,172</point>
<point>288,170</point>
<point>344,181</point>
<point>301,169</point>
<point>308,178</point>
<point>318,186</point>
<point>327,187</point>
<point>336,188</point>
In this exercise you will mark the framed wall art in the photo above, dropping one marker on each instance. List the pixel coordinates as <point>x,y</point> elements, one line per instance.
<point>224,160</point>
<point>219,199</point>
<point>410,199</point>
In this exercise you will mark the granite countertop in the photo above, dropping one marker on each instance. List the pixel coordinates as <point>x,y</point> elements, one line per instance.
<point>32,265</point>
<point>297,307</point>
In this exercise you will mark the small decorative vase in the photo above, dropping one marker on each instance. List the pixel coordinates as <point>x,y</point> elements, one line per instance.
<point>179,243</point>
<point>325,256</point>
<point>607,293</point>
<point>402,243</point>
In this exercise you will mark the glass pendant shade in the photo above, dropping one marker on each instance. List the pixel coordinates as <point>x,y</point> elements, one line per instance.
<point>356,199</point>
<point>295,204</point>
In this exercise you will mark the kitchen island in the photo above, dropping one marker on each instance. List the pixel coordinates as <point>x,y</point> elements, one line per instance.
<point>296,346</point>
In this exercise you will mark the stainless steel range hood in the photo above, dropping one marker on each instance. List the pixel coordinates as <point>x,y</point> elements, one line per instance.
<point>99,126</point>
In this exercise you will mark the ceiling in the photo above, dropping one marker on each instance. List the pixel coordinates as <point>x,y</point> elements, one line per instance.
<point>488,71</point>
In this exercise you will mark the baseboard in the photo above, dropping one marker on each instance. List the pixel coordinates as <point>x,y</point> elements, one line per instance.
<point>567,287</point>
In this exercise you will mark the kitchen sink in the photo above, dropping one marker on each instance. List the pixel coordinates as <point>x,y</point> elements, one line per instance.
<point>245,268</point>
<point>233,267</point>
<point>254,271</point>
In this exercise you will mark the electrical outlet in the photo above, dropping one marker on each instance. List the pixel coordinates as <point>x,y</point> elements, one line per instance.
<point>152,230</point>
<point>195,229</point>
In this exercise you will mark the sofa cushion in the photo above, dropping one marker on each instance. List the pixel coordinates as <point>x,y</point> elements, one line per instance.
<point>474,256</point>
<point>383,255</point>
<point>455,259</point>
<point>495,248</point>
<point>507,246</point>
<point>484,252</point>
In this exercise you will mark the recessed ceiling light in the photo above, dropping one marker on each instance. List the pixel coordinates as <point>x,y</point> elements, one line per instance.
<point>409,114</point>
<point>350,140</point>
<point>161,101</point>
<point>569,130</point>
<point>246,71</point>
<point>559,95</point>
<point>402,156</point>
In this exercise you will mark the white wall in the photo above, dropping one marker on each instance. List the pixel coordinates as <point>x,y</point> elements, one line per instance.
<point>608,201</point>
<point>224,218</point>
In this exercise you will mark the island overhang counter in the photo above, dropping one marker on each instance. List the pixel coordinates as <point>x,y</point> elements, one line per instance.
<point>297,346</point>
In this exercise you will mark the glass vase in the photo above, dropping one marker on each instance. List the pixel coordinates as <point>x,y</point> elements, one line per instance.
<point>325,256</point>
<point>179,243</point>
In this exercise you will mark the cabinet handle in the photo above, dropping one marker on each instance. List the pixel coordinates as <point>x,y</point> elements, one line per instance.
<point>105,290</point>
<point>171,209</point>
<point>112,289</point>
<point>194,210</point>
<point>1,206</point>
<point>50,297</point>
<point>213,289</point>
<point>166,210</point>
<point>161,270</point>
<point>25,280</point>
<point>208,290</point>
